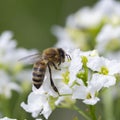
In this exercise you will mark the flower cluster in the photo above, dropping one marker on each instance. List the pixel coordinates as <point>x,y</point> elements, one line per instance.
<point>11,71</point>
<point>82,77</point>
<point>93,28</point>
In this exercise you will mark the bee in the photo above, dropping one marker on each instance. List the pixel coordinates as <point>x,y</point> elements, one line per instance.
<point>50,58</point>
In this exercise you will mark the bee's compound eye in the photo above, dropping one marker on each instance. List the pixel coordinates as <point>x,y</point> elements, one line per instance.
<point>62,53</point>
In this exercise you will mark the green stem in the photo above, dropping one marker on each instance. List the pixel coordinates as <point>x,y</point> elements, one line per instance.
<point>92,112</point>
<point>5,106</point>
<point>86,74</point>
<point>81,112</point>
<point>108,105</point>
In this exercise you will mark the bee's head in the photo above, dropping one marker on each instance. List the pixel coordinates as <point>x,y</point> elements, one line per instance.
<point>62,54</point>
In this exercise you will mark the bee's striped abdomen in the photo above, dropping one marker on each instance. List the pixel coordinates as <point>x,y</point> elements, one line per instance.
<point>38,73</point>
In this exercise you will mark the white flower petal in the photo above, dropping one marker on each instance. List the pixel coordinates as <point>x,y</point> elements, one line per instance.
<point>79,92</point>
<point>91,101</point>
<point>109,81</point>
<point>75,65</point>
<point>46,110</point>
<point>114,67</point>
<point>95,63</point>
<point>98,81</point>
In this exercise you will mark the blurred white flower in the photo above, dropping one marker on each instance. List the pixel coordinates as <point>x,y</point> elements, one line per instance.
<point>108,10</point>
<point>64,40</point>
<point>85,18</point>
<point>6,85</point>
<point>38,119</point>
<point>24,75</point>
<point>6,118</point>
<point>108,39</point>
<point>10,68</point>
<point>8,49</point>
<point>113,55</point>
<point>82,28</point>
<point>6,42</point>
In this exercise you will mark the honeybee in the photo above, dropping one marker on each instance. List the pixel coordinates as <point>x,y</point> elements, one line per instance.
<point>49,57</point>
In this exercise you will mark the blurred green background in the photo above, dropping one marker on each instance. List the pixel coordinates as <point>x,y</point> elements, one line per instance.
<point>31,20</point>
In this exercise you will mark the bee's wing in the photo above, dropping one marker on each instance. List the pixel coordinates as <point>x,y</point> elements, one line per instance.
<point>31,59</point>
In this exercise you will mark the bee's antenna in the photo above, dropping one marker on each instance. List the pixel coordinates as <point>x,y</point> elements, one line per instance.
<point>68,57</point>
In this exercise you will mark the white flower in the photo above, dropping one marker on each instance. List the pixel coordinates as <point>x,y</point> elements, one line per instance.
<point>104,66</point>
<point>95,84</point>
<point>38,104</point>
<point>61,82</point>
<point>76,62</point>
<point>6,86</point>
<point>98,81</point>
<point>86,93</point>
<point>86,88</point>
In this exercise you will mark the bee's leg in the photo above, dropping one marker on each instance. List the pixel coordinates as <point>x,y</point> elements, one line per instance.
<point>59,62</point>
<point>55,66</point>
<point>51,81</point>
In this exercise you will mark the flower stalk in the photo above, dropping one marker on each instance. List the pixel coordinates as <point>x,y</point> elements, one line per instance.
<point>92,112</point>
<point>81,112</point>
<point>108,105</point>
